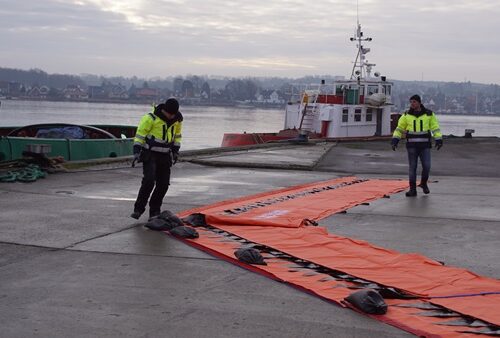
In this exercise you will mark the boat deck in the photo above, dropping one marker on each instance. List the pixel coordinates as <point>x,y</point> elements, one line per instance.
<point>72,263</point>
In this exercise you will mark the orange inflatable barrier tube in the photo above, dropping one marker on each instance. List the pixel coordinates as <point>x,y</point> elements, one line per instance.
<point>290,208</point>
<point>424,297</point>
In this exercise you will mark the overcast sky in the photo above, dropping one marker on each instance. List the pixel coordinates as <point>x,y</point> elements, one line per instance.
<point>434,39</point>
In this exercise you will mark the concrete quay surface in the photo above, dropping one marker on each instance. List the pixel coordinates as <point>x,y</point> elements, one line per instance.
<point>300,157</point>
<point>72,263</point>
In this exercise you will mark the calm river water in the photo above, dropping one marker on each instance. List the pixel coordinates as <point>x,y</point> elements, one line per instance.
<point>203,126</point>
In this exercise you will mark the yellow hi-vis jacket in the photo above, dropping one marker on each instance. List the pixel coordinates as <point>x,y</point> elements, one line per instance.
<point>154,134</point>
<point>419,127</point>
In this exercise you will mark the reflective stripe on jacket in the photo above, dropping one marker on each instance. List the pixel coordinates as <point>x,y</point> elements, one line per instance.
<point>418,128</point>
<point>155,134</point>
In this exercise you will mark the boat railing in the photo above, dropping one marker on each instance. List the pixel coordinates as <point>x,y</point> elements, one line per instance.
<point>343,92</point>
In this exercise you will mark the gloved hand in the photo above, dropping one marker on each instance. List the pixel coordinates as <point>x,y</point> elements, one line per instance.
<point>394,143</point>
<point>439,144</point>
<point>137,158</point>
<point>175,154</point>
<point>137,154</point>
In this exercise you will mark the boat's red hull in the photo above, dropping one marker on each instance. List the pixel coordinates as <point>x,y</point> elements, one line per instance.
<point>246,139</point>
<point>238,140</point>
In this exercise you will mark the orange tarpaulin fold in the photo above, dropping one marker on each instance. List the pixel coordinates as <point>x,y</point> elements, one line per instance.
<point>327,288</point>
<point>289,208</point>
<point>276,220</point>
<point>414,273</point>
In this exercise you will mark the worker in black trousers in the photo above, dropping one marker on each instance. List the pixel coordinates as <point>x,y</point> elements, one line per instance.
<point>156,145</point>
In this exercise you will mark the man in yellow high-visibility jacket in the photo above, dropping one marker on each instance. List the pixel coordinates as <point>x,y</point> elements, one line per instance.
<point>156,145</point>
<point>419,124</point>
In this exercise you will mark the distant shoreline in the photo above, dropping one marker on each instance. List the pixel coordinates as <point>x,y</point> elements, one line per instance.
<point>190,104</point>
<point>136,102</point>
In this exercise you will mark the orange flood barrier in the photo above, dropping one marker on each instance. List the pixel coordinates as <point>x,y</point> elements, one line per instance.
<point>293,207</point>
<point>430,299</point>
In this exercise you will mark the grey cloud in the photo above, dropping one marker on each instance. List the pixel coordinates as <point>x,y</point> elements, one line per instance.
<point>262,37</point>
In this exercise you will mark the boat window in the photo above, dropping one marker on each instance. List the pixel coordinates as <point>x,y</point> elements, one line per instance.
<point>369,115</point>
<point>372,89</point>
<point>387,89</point>
<point>345,115</point>
<point>357,115</point>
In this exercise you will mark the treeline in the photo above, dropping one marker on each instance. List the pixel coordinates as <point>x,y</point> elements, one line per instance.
<point>37,77</point>
<point>448,88</point>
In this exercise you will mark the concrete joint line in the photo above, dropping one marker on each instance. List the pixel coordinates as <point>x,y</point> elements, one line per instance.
<point>141,254</point>
<point>101,236</point>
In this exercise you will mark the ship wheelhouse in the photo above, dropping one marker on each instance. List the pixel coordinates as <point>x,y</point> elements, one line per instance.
<point>345,108</point>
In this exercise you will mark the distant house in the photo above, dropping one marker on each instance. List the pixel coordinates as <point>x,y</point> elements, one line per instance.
<point>38,92</point>
<point>147,94</point>
<point>165,93</point>
<point>205,95</point>
<point>74,92</point>
<point>118,92</point>
<point>109,91</point>
<point>269,97</point>
<point>275,98</point>
<point>431,104</point>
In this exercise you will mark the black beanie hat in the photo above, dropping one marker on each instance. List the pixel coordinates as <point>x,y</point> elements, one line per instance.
<point>416,98</point>
<point>172,106</point>
<point>159,108</point>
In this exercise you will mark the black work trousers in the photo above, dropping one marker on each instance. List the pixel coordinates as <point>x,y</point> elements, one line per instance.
<point>414,153</point>
<point>156,175</point>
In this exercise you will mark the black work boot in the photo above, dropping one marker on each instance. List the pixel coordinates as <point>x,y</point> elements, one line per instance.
<point>153,214</point>
<point>424,187</point>
<point>413,190</point>
<point>136,214</point>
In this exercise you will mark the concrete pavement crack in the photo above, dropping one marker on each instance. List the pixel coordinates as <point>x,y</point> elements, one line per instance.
<point>69,249</point>
<point>145,255</point>
<point>31,245</point>
<point>102,235</point>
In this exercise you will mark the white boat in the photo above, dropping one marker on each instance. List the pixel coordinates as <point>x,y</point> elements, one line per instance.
<point>357,107</point>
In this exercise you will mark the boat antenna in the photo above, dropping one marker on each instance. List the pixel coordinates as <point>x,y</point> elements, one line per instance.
<point>364,68</point>
<point>357,11</point>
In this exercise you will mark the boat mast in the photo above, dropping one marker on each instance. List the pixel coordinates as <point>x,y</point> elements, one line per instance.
<point>361,68</point>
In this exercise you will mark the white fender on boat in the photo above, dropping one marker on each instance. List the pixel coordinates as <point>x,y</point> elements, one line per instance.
<point>377,99</point>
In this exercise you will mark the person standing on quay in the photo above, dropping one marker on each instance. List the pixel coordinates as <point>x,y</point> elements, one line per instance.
<point>419,124</point>
<point>156,144</point>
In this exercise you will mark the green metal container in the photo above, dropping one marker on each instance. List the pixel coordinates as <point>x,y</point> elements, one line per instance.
<point>11,148</point>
